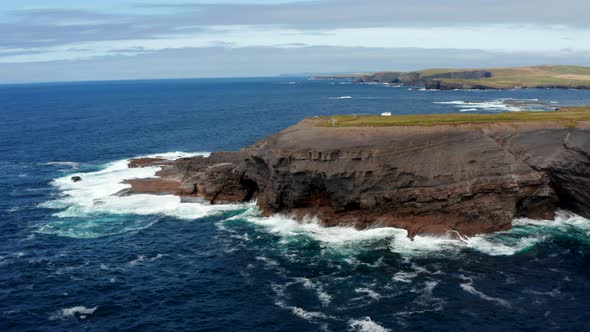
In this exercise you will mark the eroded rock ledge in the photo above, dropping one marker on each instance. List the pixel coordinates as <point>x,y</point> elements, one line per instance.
<point>472,178</point>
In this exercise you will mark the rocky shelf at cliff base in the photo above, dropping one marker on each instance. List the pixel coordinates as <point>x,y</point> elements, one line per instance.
<point>468,178</point>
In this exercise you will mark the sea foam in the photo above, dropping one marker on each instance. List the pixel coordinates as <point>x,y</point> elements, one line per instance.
<point>86,207</point>
<point>71,312</point>
<point>520,239</point>
<point>96,196</point>
<point>366,325</point>
<point>500,105</point>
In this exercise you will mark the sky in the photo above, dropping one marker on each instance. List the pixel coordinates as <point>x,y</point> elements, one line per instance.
<point>71,40</point>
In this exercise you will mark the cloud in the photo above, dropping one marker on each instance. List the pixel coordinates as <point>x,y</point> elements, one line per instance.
<point>328,35</point>
<point>347,13</point>
<point>51,27</point>
<point>270,61</point>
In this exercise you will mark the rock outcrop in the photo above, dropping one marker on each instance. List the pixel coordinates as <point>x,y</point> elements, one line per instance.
<point>472,178</point>
<point>539,77</point>
<point>430,81</point>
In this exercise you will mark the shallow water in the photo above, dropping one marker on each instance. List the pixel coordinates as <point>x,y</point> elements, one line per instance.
<point>72,256</point>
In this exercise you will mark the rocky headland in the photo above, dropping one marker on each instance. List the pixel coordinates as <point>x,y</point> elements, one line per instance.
<point>466,177</point>
<point>540,77</point>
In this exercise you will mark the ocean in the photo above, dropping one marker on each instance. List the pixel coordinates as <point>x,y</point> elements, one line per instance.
<point>73,257</point>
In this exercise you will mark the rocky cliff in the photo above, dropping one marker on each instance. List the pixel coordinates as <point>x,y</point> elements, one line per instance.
<point>429,81</point>
<point>470,178</point>
<point>546,77</point>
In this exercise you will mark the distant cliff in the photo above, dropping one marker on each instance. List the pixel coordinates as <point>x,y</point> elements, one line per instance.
<point>468,178</point>
<point>567,77</point>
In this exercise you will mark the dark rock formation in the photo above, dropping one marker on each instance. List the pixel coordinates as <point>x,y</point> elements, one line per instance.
<point>465,178</point>
<point>430,81</point>
<point>76,179</point>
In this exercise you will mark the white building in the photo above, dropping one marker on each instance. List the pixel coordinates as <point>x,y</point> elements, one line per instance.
<point>386,114</point>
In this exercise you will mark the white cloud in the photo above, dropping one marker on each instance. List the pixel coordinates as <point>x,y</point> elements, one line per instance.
<point>543,28</point>
<point>492,37</point>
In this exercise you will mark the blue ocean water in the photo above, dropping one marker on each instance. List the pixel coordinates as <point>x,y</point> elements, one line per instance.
<point>72,257</point>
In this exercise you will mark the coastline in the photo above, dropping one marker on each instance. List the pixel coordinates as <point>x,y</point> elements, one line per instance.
<point>469,178</point>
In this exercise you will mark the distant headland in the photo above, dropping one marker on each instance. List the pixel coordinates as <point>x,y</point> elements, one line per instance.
<point>533,77</point>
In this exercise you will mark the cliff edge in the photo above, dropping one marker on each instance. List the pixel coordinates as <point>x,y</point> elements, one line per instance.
<point>542,77</point>
<point>468,178</point>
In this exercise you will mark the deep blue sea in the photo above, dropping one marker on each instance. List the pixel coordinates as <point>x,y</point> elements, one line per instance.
<point>73,257</point>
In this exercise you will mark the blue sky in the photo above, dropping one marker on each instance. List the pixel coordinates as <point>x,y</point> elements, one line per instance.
<point>40,39</point>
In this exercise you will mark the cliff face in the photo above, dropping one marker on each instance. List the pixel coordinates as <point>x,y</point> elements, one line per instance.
<point>430,81</point>
<point>466,178</point>
<point>552,77</point>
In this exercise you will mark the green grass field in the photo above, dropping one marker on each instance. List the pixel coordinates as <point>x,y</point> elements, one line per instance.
<point>567,76</point>
<point>501,78</point>
<point>568,116</point>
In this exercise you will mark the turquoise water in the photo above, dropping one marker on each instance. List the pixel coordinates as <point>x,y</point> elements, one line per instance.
<point>74,257</point>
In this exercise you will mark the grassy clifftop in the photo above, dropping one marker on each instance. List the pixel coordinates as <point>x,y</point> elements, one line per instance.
<point>568,116</point>
<point>539,76</point>
<point>489,78</point>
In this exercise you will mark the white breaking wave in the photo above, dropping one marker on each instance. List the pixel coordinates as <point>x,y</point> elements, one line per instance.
<point>349,238</point>
<point>341,97</point>
<point>96,195</point>
<point>285,226</point>
<point>366,325</point>
<point>346,236</point>
<point>493,105</point>
<point>494,245</point>
<point>564,220</point>
<point>83,206</point>
<point>71,312</point>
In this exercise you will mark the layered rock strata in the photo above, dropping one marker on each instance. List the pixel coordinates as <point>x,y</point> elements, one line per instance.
<point>470,179</point>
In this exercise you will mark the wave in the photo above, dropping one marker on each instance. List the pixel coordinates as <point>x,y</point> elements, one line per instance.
<point>91,208</point>
<point>349,239</point>
<point>369,292</point>
<point>322,295</point>
<point>469,288</point>
<point>366,325</point>
<point>142,259</point>
<point>493,105</point>
<point>341,97</point>
<point>281,297</point>
<point>499,105</point>
<point>72,312</point>
<point>71,164</point>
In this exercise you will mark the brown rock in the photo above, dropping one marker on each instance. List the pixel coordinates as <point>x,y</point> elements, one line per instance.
<point>153,186</point>
<point>467,178</point>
